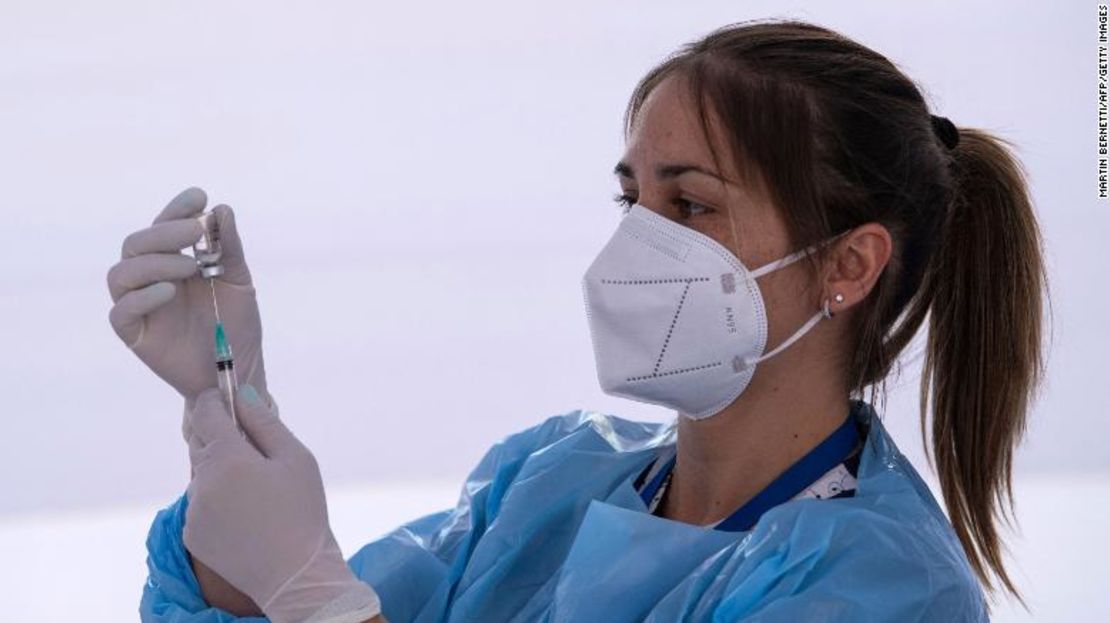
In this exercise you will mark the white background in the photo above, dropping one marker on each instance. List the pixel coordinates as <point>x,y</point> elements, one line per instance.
<point>419,189</point>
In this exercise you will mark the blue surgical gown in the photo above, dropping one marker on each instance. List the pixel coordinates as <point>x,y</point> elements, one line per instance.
<point>549,527</point>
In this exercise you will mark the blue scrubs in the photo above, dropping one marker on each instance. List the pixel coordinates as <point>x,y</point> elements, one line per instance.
<point>550,527</point>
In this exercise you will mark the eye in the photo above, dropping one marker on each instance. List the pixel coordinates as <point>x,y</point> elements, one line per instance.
<point>687,209</point>
<point>624,201</point>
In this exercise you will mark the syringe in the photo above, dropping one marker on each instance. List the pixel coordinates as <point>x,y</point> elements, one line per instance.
<point>225,371</point>
<point>208,253</point>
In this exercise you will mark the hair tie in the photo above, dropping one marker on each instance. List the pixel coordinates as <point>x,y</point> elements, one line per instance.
<point>946,130</point>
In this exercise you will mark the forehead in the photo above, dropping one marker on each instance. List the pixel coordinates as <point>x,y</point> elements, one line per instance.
<point>667,128</point>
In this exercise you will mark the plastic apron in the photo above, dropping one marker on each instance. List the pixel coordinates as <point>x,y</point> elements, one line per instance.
<point>550,528</point>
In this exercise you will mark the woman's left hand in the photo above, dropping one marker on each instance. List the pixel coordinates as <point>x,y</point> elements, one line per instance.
<point>257,513</point>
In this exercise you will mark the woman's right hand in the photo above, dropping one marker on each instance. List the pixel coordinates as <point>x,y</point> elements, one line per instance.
<point>163,307</point>
<point>258,516</point>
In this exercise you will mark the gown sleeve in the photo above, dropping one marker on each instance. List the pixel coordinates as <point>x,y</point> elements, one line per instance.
<point>171,593</point>
<point>414,568</point>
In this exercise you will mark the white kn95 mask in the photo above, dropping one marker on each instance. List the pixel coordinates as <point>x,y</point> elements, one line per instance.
<point>675,318</point>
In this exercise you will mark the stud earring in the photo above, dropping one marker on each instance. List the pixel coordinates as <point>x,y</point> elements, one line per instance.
<point>826,310</point>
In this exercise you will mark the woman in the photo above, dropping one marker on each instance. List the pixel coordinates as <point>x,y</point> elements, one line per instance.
<point>793,215</point>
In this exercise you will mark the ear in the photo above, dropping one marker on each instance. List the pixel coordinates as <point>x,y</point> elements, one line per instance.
<point>854,265</point>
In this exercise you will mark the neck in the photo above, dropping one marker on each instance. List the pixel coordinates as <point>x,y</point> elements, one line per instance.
<point>725,460</point>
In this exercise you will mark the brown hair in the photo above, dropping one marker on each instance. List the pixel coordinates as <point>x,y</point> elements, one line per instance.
<point>841,137</point>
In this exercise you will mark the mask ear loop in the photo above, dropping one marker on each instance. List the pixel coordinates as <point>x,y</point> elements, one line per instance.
<point>802,330</point>
<point>824,313</point>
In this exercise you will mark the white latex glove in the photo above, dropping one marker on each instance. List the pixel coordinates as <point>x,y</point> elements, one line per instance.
<point>163,307</point>
<point>257,516</point>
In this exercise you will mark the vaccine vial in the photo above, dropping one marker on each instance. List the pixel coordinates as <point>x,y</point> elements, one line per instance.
<point>207,250</point>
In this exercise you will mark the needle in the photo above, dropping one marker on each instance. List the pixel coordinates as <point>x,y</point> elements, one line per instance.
<point>215,305</point>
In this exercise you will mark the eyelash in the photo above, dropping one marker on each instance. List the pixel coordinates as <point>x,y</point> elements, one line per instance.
<point>624,201</point>
<point>683,205</point>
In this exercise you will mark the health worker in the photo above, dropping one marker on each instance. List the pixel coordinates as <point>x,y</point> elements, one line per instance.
<point>792,214</point>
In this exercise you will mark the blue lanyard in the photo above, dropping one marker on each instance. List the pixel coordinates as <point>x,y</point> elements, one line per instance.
<point>827,455</point>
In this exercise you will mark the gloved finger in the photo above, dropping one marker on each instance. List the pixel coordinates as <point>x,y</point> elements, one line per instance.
<point>141,271</point>
<point>233,259</point>
<point>197,449</point>
<point>126,316</point>
<point>191,440</point>
<point>261,424</point>
<point>186,424</point>
<point>211,421</point>
<point>165,237</point>
<point>195,457</point>
<point>201,456</point>
<point>188,202</point>
<point>188,433</point>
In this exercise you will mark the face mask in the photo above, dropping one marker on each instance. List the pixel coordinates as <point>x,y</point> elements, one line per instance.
<point>675,318</point>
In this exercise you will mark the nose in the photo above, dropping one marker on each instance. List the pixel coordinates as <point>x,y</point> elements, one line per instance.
<point>652,199</point>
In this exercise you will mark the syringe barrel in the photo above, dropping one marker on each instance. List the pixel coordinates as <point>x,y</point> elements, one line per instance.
<point>225,376</point>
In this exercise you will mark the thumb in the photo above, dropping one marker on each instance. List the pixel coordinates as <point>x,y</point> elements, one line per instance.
<point>261,423</point>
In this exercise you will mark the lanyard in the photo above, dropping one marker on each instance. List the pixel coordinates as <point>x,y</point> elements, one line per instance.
<point>825,456</point>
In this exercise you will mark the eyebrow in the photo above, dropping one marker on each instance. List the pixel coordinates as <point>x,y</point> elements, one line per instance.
<point>667,170</point>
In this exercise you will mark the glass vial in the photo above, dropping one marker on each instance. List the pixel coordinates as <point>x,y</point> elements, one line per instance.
<point>207,250</point>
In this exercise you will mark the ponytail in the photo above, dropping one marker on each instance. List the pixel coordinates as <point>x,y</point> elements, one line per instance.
<point>983,358</point>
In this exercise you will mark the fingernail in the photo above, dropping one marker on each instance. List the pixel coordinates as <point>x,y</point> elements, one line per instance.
<point>249,394</point>
<point>163,289</point>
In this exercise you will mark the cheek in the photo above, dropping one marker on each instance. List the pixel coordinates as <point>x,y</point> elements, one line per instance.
<point>760,233</point>
<point>787,299</point>
<point>752,242</point>
<point>721,231</point>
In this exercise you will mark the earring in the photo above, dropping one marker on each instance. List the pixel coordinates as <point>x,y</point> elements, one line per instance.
<point>826,311</point>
